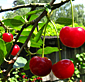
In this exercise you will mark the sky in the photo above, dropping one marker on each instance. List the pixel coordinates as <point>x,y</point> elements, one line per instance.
<point>9,3</point>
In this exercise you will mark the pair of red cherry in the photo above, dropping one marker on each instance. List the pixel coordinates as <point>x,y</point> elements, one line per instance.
<point>42,66</point>
<point>8,37</point>
<point>72,37</point>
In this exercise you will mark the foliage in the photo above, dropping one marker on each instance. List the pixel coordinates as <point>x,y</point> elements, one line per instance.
<point>15,24</point>
<point>65,11</point>
<point>18,76</point>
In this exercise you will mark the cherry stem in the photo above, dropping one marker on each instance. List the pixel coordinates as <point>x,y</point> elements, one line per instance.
<point>57,39</point>
<point>72,13</point>
<point>44,38</point>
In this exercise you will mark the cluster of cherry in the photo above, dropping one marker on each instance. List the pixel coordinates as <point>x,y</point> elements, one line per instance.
<point>8,37</point>
<point>63,69</point>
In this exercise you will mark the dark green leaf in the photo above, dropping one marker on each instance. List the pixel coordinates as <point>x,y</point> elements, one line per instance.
<point>3,46</point>
<point>1,56</point>
<point>8,46</point>
<point>26,67</point>
<point>64,21</point>
<point>12,22</point>
<point>20,62</point>
<point>48,50</point>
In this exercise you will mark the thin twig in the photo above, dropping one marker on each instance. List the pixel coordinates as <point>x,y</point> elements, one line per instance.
<point>54,6</point>
<point>1,24</point>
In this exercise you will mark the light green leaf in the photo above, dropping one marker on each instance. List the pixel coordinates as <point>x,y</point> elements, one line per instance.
<point>36,44</point>
<point>22,39</point>
<point>19,18</point>
<point>33,17</point>
<point>34,12</point>
<point>38,35</point>
<point>26,33</point>
<point>20,62</point>
<point>48,50</point>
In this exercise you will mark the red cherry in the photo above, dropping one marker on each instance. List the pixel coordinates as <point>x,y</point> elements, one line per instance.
<point>72,37</point>
<point>15,50</point>
<point>23,76</point>
<point>34,79</point>
<point>7,37</point>
<point>80,80</point>
<point>38,78</point>
<point>40,66</point>
<point>63,69</point>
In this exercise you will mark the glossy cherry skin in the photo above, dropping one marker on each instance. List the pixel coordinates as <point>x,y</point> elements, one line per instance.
<point>7,37</point>
<point>40,66</point>
<point>15,50</point>
<point>63,69</point>
<point>72,37</point>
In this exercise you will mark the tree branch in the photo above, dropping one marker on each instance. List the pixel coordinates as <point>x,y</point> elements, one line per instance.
<point>54,6</point>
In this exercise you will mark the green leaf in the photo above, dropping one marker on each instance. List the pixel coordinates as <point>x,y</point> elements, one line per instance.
<point>22,39</point>
<point>3,46</point>
<point>34,12</point>
<point>33,17</point>
<point>36,44</point>
<point>26,67</point>
<point>48,50</point>
<point>1,56</point>
<point>19,18</point>
<point>23,73</point>
<point>64,21</point>
<point>40,24</point>
<point>8,46</point>
<point>20,62</point>
<point>38,35</point>
<point>26,33</point>
<point>12,22</point>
